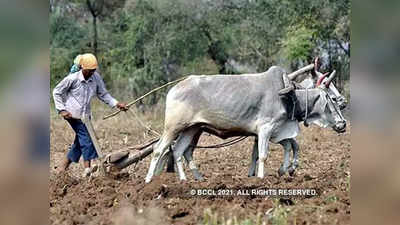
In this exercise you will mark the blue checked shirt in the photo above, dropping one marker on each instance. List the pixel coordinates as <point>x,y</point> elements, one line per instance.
<point>74,94</point>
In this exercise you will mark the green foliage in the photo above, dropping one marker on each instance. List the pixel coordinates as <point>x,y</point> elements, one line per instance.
<point>66,32</point>
<point>331,199</point>
<point>143,44</point>
<point>298,43</point>
<point>60,60</point>
<point>279,215</point>
<point>67,39</point>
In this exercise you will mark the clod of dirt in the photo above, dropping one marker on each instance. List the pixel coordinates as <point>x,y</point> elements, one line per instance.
<point>181,214</point>
<point>307,177</point>
<point>148,216</point>
<point>166,200</point>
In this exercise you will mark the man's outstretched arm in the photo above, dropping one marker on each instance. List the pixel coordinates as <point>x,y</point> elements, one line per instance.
<point>106,97</point>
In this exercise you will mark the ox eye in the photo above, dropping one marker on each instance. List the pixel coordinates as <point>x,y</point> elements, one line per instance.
<point>334,99</point>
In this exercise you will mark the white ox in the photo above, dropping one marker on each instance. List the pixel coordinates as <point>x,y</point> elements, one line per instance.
<point>305,80</point>
<point>239,105</point>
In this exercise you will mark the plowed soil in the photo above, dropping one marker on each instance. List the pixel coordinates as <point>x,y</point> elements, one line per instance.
<point>124,198</point>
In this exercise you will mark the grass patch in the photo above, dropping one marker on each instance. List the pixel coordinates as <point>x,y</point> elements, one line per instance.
<point>279,214</point>
<point>276,216</point>
<point>211,217</point>
<point>331,199</point>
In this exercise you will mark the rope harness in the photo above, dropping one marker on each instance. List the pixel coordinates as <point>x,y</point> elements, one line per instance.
<point>225,144</point>
<point>333,105</point>
<point>306,115</point>
<point>294,100</point>
<point>140,147</point>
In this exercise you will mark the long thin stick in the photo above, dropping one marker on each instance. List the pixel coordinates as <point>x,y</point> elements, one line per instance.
<point>93,137</point>
<point>144,125</point>
<point>143,96</point>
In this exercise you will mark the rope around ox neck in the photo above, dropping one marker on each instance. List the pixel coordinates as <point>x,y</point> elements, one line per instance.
<point>306,115</point>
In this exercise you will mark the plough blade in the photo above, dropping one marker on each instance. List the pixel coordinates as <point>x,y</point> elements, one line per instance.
<point>122,160</point>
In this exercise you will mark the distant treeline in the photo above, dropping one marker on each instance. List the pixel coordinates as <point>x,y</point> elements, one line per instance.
<point>142,44</point>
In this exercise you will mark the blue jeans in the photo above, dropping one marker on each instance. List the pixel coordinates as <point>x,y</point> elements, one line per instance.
<point>82,145</point>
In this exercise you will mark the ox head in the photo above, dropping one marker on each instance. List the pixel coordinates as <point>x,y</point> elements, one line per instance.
<point>327,107</point>
<point>334,94</point>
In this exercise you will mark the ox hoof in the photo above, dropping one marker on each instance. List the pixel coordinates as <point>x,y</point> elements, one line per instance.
<point>171,168</point>
<point>281,171</point>
<point>291,172</point>
<point>252,173</point>
<point>197,175</point>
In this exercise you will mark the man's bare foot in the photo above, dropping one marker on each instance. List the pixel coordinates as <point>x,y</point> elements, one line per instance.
<point>86,172</point>
<point>64,166</point>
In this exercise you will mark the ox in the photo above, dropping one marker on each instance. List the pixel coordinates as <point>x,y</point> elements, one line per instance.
<point>245,105</point>
<point>305,80</point>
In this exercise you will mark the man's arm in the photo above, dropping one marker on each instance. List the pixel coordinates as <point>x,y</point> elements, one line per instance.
<point>105,97</point>
<point>58,92</point>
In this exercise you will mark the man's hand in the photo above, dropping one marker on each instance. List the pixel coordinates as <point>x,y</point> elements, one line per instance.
<point>122,106</point>
<point>65,114</point>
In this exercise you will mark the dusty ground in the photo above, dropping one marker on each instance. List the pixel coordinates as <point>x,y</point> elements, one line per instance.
<point>125,199</point>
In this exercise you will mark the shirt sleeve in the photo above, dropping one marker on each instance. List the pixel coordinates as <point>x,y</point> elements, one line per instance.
<point>59,91</point>
<point>103,94</point>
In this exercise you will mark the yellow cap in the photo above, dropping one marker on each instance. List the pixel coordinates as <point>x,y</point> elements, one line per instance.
<point>77,59</point>
<point>88,61</point>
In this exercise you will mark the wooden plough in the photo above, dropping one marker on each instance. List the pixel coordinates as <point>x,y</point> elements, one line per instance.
<point>122,159</point>
<point>119,160</point>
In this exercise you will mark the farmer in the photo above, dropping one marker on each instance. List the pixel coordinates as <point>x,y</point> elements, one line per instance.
<point>72,100</point>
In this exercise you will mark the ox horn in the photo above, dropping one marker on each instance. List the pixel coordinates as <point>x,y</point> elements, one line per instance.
<point>316,63</point>
<point>293,75</point>
<point>321,78</point>
<point>330,78</point>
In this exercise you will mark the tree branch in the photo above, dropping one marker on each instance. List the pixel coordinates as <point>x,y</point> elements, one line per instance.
<point>258,52</point>
<point>91,8</point>
<point>347,51</point>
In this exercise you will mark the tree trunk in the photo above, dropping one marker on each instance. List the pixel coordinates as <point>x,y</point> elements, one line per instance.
<point>95,35</point>
<point>95,11</point>
<point>215,51</point>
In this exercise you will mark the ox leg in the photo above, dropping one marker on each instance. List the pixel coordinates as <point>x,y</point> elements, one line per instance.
<point>263,141</point>
<point>161,164</point>
<point>170,163</point>
<point>295,162</point>
<point>254,158</point>
<point>189,158</point>
<point>159,153</point>
<point>184,141</point>
<point>286,144</point>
